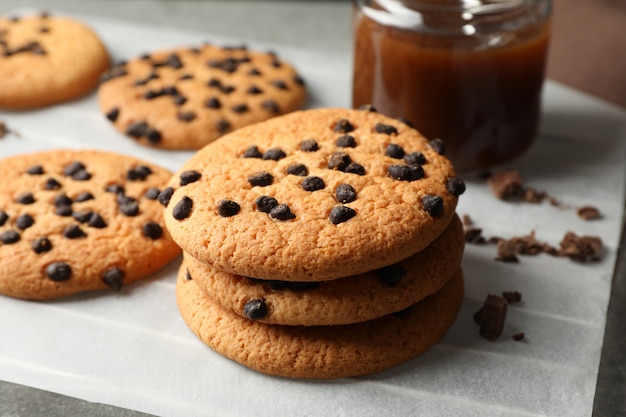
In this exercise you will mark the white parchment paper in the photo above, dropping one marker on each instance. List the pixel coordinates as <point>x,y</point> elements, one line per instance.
<point>131,349</point>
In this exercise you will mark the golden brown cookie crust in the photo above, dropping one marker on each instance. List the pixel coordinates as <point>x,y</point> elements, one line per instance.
<point>108,238</point>
<point>390,223</point>
<point>320,351</point>
<point>344,300</point>
<point>46,60</point>
<point>185,98</point>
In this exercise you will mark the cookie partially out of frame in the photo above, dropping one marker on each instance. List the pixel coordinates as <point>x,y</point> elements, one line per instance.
<point>46,60</point>
<point>339,301</point>
<point>320,351</point>
<point>312,196</point>
<point>185,98</point>
<point>78,220</point>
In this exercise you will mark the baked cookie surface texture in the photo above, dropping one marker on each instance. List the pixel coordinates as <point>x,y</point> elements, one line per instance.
<point>79,220</point>
<point>46,60</point>
<point>184,98</point>
<point>312,196</point>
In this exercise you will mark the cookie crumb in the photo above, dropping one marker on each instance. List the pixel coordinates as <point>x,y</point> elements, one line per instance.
<point>491,317</point>
<point>588,213</point>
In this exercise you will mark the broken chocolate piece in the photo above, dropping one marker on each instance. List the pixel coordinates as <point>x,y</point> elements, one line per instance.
<point>491,317</point>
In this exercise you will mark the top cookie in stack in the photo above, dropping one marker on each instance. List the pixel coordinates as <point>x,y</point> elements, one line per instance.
<point>313,196</point>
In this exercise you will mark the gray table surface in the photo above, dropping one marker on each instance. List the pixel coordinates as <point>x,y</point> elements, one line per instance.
<point>307,24</point>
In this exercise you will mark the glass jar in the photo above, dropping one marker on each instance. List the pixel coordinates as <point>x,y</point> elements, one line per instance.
<point>469,72</point>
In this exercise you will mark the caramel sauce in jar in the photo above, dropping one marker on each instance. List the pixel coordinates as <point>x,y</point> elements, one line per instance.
<point>469,72</point>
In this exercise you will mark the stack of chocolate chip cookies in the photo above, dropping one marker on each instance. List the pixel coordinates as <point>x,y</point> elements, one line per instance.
<point>319,244</point>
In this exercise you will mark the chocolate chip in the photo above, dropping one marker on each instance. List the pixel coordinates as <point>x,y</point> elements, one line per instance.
<point>433,205</point>
<point>280,84</point>
<point>41,245</point>
<point>35,170</point>
<point>165,196</point>
<point>395,151</point>
<point>73,168</point>
<point>455,186</point>
<point>276,64</point>
<point>187,177</point>
<point>186,77</point>
<point>182,209</point>
<point>81,175</point>
<point>240,108</point>
<point>137,129</point>
<point>253,89</point>
<point>271,106</point>
<point>339,161</point>
<point>385,129</point>
<point>52,184</point>
<point>138,173</point>
<point>3,217</point>
<point>214,82</point>
<point>354,168</point>
<point>252,152</point>
<point>265,203</point>
<point>212,103</point>
<point>415,158</point>
<point>313,184</point>
<point>84,197</point>
<point>255,309</point>
<point>340,214</point>
<point>309,145</point>
<point>143,81</point>
<point>223,126</point>
<point>491,317</point>
<point>438,145</point>
<point>345,193</point>
<point>179,100</point>
<point>298,80</point>
<point>346,141</point>
<point>282,212</point>
<point>9,236</point>
<point>227,89</point>
<point>254,72</point>
<point>367,107</point>
<point>152,230</point>
<point>62,200</point>
<point>405,121</point>
<point>63,210</point>
<point>115,72</point>
<point>261,179</point>
<point>24,221</point>
<point>152,135</point>
<point>114,278</point>
<point>58,271</point>
<point>298,169</point>
<point>391,275</point>
<point>186,116</point>
<point>406,172</point>
<point>96,221</point>
<point>113,114</point>
<point>115,189</point>
<point>26,198</point>
<point>128,206</point>
<point>72,231</point>
<point>228,208</point>
<point>152,193</point>
<point>343,126</point>
<point>274,154</point>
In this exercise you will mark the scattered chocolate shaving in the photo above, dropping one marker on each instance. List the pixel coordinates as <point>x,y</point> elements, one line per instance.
<point>512,296</point>
<point>4,130</point>
<point>581,248</point>
<point>506,185</point>
<point>588,213</point>
<point>507,252</point>
<point>518,337</point>
<point>491,317</point>
<point>467,220</point>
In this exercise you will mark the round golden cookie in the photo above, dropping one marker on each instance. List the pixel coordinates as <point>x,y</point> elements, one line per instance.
<point>312,196</point>
<point>320,351</point>
<point>46,60</point>
<point>340,301</point>
<point>185,98</point>
<point>79,220</point>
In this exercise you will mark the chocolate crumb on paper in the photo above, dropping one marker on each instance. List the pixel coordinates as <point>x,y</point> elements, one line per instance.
<point>491,317</point>
<point>589,213</point>
<point>4,130</point>
<point>518,337</point>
